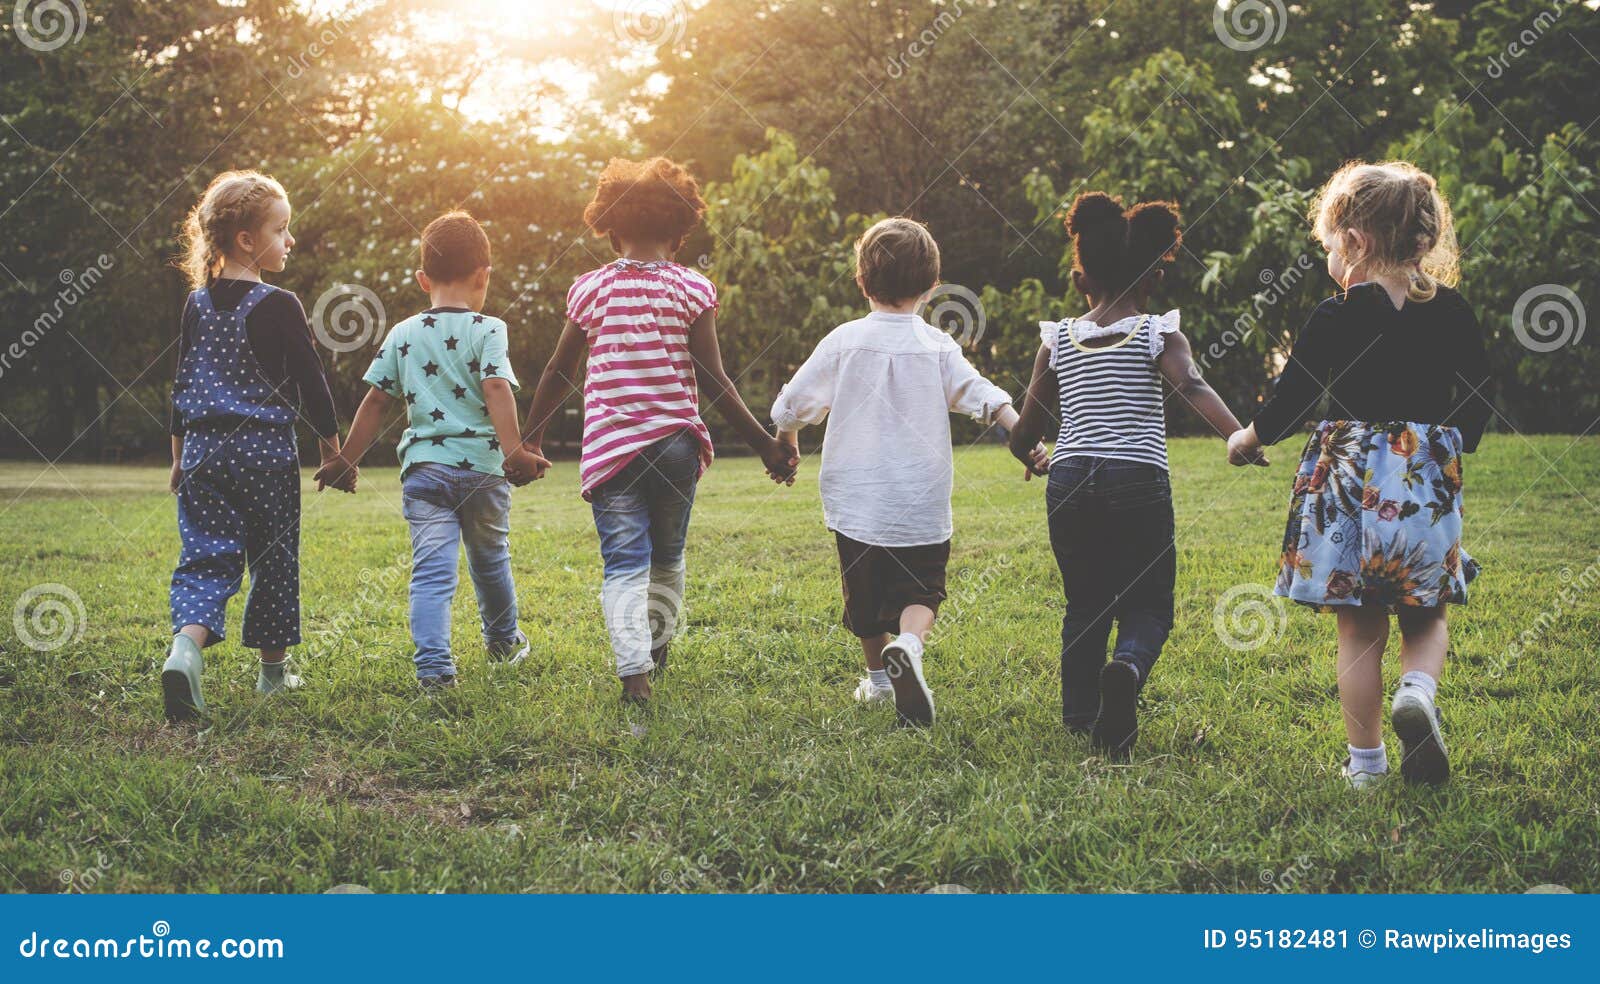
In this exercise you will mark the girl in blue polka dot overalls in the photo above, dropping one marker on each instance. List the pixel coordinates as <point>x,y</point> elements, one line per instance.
<point>247,370</point>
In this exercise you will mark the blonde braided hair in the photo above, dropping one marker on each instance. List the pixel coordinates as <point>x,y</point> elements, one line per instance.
<point>234,201</point>
<point>1404,216</point>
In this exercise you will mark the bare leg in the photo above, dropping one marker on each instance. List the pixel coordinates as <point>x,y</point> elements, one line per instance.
<point>917,620</point>
<point>198,633</point>
<point>1424,638</point>
<point>273,655</point>
<point>872,647</point>
<point>1363,634</point>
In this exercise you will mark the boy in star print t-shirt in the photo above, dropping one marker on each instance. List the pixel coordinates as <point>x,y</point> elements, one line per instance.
<point>451,367</point>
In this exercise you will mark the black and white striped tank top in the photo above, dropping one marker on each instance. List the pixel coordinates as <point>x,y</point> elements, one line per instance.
<point>1111,404</point>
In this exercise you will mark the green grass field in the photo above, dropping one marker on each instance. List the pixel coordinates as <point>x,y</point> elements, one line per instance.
<point>754,770</point>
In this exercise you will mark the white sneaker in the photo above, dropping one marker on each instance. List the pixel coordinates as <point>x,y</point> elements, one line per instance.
<point>1416,722</point>
<point>868,692</point>
<point>1362,780</point>
<point>912,698</point>
<point>509,652</point>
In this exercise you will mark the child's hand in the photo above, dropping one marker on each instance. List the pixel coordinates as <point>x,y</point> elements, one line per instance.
<point>176,478</point>
<point>338,473</point>
<point>1038,462</point>
<point>1244,449</point>
<point>525,464</point>
<point>781,458</point>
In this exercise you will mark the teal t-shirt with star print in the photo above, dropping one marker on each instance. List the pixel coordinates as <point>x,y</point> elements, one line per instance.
<point>436,362</point>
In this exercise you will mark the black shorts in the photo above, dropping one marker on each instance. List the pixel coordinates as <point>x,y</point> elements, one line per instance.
<point>881,582</point>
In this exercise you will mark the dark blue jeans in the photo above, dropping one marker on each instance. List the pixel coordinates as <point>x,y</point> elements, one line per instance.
<point>1111,530</point>
<point>642,516</point>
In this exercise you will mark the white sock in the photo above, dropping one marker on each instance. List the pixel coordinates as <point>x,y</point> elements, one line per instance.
<point>1373,760</point>
<point>880,678</point>
<point>1422,681</point>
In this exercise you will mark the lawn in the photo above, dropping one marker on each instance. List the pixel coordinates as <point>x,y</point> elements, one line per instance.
<point>754,770</point>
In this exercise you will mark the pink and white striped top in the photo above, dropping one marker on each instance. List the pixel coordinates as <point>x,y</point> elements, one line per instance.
<point>640,385</point>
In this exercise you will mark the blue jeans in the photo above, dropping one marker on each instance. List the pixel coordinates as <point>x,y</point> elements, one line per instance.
<point>642,515</point>
<point>1111,530</point>
<point>446,506</point>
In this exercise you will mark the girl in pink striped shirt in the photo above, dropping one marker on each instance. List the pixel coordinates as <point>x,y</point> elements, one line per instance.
<point>650,327</point>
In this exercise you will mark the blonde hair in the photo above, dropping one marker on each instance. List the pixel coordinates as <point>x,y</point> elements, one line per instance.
<point>235,201</point>
<point>1405,218</point>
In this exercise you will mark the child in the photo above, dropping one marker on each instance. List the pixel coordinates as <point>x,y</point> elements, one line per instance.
<point>1109,496</point>
<point>245,359</point>
<point>651,329</point>
<point>450,366</point>
<point>1375,519</point>
<point>890,381</point>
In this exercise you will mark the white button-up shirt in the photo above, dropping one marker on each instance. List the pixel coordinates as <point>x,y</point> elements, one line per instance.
<point>890,382</point>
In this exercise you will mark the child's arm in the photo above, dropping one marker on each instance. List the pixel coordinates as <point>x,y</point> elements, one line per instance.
<point>1028,431</point>
<point>521,465</point>
<point>363,431</point>
<point>968,392</point>
<point>558,381</point>
<point>1177,365</point>
<point>780,459</point>
<point>177,464</point>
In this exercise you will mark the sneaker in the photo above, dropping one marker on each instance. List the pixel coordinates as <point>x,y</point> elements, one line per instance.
<point>1118,723</point>
<point>912,699</point>
<point>180,680</point>
<point>509,652</point>
<point>869,693</point>
<point>1416,721</point>
<point>442,681</point>
<point>269,682</point>
<point>1362,780</point>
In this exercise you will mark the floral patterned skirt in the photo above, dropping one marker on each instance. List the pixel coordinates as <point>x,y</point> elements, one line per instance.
<point>1376,518</point>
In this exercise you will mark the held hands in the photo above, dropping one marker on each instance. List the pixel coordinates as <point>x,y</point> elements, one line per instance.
<point>525,464</point>
<point>1244,449</point>
<point>1035,461</point>
<point>337,472</point>
<point>781,456</point>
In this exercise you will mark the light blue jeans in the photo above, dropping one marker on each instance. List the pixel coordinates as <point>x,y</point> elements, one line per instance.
<point>642,515</point>
<point>446,506</point>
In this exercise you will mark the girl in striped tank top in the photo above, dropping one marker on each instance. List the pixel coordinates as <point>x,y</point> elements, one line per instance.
<point>650,328</point>
<point>1109,498</point>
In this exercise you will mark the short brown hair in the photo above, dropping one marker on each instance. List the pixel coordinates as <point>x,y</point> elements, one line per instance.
<point>655,200</point>
<point>896,260</point>
<point>454,247</point>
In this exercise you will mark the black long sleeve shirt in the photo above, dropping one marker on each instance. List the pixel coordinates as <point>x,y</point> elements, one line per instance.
<point>1424,363</point>
<point>280,338</point>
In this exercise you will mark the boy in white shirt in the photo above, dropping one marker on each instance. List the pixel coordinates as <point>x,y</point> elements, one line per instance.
<point>890,381</point>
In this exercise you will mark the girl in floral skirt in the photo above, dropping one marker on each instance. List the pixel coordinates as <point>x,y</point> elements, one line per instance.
<point>1375,518</point>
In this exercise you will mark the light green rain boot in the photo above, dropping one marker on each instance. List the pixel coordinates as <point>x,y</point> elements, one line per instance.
<point>275,677</point>
<point>180,680</point>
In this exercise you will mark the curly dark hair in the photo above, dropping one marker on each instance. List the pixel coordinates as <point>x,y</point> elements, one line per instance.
<point>655,200</point>
<point>1118,248</point>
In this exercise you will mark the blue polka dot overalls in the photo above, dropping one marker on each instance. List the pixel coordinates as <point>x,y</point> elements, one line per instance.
<point>239,501</point>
